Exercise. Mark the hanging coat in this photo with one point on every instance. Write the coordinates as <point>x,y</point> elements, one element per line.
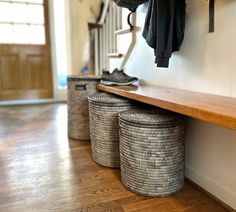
<point>164,28</point>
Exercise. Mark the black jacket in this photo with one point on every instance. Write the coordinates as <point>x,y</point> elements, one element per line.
<point>164,28</point>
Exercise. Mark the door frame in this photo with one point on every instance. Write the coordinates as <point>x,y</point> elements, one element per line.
<point>59,94</point>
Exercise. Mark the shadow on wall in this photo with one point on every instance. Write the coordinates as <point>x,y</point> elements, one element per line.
<point>210,158</point>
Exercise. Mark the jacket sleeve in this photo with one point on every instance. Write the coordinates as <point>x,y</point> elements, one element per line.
<point>165,24</point>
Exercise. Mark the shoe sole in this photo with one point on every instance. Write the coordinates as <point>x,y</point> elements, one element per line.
<point>117,83</point>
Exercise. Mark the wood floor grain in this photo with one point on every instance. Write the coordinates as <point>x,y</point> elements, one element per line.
<point>42,170</point>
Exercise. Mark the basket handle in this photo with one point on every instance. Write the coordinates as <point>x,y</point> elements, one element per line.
<point>81,87</point>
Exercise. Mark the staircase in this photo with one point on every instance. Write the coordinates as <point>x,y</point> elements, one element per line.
<point>113,39</point>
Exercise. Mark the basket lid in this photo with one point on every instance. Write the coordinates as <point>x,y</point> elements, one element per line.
<point>151,117</point>
<point>83,77</point>
<point>106,98</point>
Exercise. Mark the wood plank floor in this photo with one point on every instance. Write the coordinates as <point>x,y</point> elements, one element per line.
<point>41,170</point>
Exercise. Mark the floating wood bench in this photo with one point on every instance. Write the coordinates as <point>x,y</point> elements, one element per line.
<point>211,108</point>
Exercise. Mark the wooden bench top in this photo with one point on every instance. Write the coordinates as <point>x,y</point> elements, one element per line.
<point>211,108</point>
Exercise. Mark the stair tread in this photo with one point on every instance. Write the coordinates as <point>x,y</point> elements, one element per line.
<point>123,31</point>
<point>115,55</point>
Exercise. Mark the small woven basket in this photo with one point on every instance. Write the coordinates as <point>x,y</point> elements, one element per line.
<point>79,88</point>
<point>152,152</point>
<point>104,128</point>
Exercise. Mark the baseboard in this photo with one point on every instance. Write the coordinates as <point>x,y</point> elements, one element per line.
<point>202,183</point>
<point>30,102</point>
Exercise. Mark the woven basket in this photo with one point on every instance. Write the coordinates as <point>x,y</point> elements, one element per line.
<point>104,128</point>
<point>79,88</point>
<point>152,152</point>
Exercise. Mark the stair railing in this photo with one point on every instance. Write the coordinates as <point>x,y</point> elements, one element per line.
<point>105,37</point>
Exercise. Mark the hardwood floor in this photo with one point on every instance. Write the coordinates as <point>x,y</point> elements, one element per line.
<point>41,170</point>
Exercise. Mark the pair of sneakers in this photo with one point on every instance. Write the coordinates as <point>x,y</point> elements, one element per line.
<point>117,77</point>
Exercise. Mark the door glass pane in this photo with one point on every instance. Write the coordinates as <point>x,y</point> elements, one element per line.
<point>18,1</point>
<point>37,35</point>
<point>6,33</point>
<point>5,12</point>
<point>20,34</point>
<point>19,13</point>
<point>22,22</point>
<point>35,1</point>
<point>29,1</point>
<point>36,14</point>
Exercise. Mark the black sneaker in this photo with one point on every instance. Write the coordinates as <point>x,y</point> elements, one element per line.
<point>117,78</point>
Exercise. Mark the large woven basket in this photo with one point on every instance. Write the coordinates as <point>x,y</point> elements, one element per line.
<point>104,128</point>
<point>152,152</point>
<point>79,88</point>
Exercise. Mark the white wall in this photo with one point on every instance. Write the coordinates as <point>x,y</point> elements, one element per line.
<point>60,54</point>
<point>206,63</point>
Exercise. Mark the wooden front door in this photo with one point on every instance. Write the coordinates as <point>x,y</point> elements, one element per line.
<point>25,65</point>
